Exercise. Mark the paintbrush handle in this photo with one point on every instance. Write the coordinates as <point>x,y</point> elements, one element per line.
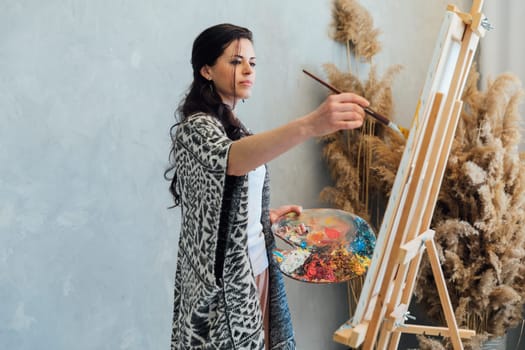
<point>377,116</point>
<point>322,82</point>
<point>369,111</point>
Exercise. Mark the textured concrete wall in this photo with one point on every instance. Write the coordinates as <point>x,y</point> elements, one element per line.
<point>87,94</point>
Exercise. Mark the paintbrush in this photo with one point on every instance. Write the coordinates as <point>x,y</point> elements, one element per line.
<point>382,119</point>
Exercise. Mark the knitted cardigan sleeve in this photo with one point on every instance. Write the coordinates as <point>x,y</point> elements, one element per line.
<point>202,159</point>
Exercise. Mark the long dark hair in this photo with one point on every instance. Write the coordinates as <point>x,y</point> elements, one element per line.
<point>202,96</point>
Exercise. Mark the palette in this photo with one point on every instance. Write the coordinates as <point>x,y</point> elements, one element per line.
<point>327,245</point>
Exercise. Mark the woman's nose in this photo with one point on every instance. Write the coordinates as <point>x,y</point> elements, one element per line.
<point>247,68</point>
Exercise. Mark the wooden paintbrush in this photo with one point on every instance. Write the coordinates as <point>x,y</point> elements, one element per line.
<point>382,119</point>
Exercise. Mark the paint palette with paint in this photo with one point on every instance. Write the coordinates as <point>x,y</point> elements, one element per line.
<point>328,245</point>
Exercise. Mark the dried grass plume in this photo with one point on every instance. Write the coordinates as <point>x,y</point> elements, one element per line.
<point>351,23</point>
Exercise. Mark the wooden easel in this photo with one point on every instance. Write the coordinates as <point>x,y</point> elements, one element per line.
<point>404,235</point>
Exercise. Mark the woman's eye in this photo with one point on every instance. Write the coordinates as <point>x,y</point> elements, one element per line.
<point>236,62</point>
<point>252,64</point>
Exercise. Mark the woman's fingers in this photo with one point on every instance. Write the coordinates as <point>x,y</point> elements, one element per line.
<point>348,125</point>
<point>346,106</point>
<point>352,98</point>
<point>338,112</point>
<point>285,209</point>
<point>346,120</point>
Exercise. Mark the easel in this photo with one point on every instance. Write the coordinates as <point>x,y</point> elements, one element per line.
<point>404,235</point>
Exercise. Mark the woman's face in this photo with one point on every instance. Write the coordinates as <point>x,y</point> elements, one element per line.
<point>233,73</point>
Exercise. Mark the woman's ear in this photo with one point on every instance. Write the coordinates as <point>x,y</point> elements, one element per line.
<point>205,72</point>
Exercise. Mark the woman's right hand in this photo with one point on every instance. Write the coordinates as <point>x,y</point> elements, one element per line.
<point>338,112</point>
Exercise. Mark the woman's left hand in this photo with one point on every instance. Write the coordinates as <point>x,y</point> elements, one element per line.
<point>285,209</point>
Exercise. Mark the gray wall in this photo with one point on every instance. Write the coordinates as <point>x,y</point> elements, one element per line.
<point>87,92</point>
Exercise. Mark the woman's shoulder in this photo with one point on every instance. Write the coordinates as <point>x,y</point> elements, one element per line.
<point>202,124</point>
<point>201,117</point>
<point>196,118</point>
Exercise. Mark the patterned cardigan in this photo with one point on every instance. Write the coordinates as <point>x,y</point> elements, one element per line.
<point>216,300</point>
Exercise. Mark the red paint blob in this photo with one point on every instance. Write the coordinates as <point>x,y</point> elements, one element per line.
<point>331,233</point>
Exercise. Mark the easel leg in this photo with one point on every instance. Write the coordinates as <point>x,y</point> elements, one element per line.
<point>443,294</point>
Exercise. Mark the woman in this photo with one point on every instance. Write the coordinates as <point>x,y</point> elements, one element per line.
<point>229,293</point>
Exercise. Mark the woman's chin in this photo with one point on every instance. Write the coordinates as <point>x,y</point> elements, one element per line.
<point>242,97</point>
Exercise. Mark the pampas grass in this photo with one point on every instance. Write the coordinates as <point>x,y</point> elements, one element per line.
<point>353,26</point>
<point>479,217</point>
<point>349,153</point>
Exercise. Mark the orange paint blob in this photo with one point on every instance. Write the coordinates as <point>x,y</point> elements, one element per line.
<point>315,237</point>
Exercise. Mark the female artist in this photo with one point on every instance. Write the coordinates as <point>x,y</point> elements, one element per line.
<point>229,293</point>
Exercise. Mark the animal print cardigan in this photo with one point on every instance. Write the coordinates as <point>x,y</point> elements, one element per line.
<point>216,299</point>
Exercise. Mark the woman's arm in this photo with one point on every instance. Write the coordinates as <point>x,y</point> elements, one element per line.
<point>337,112</point>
